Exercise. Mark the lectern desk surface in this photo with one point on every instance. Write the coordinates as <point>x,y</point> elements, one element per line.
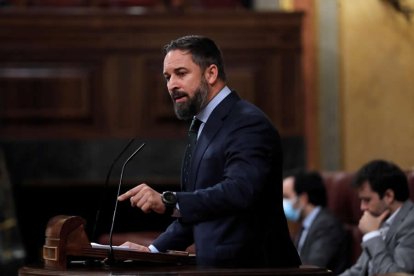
<point>172,270</point>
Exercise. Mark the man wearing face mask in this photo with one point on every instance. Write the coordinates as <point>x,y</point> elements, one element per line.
<point>387,222</point>
<point>322,239</point>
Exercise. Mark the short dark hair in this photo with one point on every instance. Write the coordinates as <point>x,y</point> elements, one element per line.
<point>381,176</point>
<point>204,51</point>
<point>312,184</point>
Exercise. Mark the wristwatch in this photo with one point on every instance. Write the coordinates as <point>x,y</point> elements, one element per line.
<point>170,200</point>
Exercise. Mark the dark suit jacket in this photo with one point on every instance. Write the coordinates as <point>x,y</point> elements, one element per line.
<point>326,244</point>
<point>232,209</point>
<point>395,253</point>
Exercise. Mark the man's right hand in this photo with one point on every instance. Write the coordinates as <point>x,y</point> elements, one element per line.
<point>136,246</point>
<point>145,198</point>
<point>369,222</point>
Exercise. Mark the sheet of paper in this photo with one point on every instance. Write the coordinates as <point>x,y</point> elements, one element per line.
<point>106,246</point>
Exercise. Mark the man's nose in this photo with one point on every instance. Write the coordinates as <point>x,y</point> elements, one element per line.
<point>363,207</point>
<point>172,84</point>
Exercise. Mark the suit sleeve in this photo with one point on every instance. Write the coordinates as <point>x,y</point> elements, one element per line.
<point>398,260</point>
<point>357,269</point>
<point>176,237</point>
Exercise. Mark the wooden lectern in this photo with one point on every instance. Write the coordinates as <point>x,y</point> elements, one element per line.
<point>66,238</point>
<point>67,241</point>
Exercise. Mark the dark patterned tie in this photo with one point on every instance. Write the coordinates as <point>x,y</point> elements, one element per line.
<point>192,139</point>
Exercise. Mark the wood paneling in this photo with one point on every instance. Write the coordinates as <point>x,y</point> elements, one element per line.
<point>50,93</point>
<point>98,73</point>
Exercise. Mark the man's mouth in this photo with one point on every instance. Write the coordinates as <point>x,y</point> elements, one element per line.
<point>179,97</point>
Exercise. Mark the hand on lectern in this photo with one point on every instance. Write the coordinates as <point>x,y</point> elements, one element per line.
<point>136,246</point>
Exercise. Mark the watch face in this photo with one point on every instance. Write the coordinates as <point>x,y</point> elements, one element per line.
<point>169,198</point>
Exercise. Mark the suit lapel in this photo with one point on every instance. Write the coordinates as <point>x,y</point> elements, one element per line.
<point>311,229</point>
<point>211,128</point>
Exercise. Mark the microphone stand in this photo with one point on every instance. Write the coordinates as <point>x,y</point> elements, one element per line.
<point>104,194</point>
<point>111,258</point>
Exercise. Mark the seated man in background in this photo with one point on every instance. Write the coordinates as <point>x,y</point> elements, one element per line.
<point>322,240</point>
<point>387,222</point>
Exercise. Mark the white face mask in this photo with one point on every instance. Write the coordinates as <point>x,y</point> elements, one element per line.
<point>290,212</point>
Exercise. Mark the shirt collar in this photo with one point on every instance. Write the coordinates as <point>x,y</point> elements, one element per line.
<point>206,112</point>
<point>391,218</point>
<point>307,222</point>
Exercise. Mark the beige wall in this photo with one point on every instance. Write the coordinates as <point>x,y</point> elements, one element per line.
<point>377,83</point>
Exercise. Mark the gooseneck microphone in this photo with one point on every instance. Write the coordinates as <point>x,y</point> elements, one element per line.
<point>111,252</point>
<point>105,191</point>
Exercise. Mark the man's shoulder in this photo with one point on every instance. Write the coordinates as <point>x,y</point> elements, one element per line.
<point>235,111</point>
<point>244,108</point>
<point>234,104</point>
<point>327,219</point>
<point>409,210</point>
<point>405,217</point>
<point>327,214</point>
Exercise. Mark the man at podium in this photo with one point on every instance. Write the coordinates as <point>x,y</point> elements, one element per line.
<point>230,203</point>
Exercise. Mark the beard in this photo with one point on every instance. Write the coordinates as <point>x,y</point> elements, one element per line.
<point>187,110</point>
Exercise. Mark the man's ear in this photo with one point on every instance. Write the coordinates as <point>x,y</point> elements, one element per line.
<point>211,74</point>
<point>389,196</point>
